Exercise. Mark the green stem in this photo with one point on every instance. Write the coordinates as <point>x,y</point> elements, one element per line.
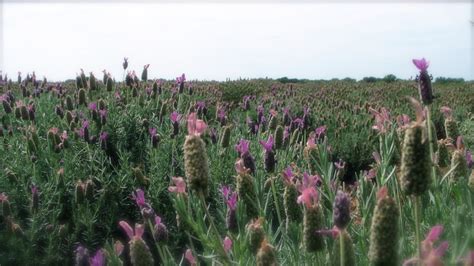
<point>430,139</point>
<point>277,206</point>
<point>416,201</point>
<point>341,247</point>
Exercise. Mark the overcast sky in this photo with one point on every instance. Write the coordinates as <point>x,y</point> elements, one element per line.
<point>219,41</point>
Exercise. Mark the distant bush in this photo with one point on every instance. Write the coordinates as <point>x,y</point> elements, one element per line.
<point>370,79</point>
<point>285,80</point>
<point>444,80</point>
<point>390,78</point>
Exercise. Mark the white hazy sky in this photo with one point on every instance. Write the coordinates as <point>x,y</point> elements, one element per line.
<point>219,41</point>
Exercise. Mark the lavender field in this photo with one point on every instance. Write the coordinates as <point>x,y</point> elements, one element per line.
<point>138,170</point>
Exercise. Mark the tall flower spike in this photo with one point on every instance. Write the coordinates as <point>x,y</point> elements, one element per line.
<point>424,81</point>
<point>384,237</point>
<point>195,156</point>
<point>256,235</point>
<point>290,198</point>
<point>416,161</point>
<point>269,159</point>
<point>341,210</point>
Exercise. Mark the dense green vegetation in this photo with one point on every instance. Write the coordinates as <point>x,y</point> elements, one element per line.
<point>85,177</point>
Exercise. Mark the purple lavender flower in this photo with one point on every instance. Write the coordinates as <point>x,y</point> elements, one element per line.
<point>139,197</point>
<point>98,259</point>
<point>230,199</point>
<point>153,136</point>
<point>340,164</point>
<point>288,176</point>
<point>82,256</point>
<point>213,135</point>
<point>175,117</point>
<point>267,145</point>
<point>297,123</point>
<point>92,106</point>
<point>104,136</point>
<point>84,130</point>
<point>341,210</point>
<point>320,131</point>
<point>286,116</point>
<point>160,230</point>
<point>306,117</point>
<point>269,154</point>
<point>246,103</point>
<point>242,147</point>
<point>180,82</point>
<point>424,81</point>
<point>221,115</point>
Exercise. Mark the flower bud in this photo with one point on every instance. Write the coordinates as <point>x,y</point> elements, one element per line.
<point>140,253</point>
<point>416,162</point>
<point>341,210</point>
<point>278,137</point>
<point>82,98</point>
<point>459,164</point>
<point>451,127</point>
<point>313,220</point>
<point>256,235</point>
<point>196,164</point>
<point>292,210</point>
<point>266,255</point>
<point>225,137</point>
<point>384,236</point>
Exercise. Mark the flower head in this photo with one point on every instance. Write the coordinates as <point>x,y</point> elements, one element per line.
<point>189,257</point>
<point>430,255</point>
<point>243,146</point>
<point>34,190</point>
<point>103,136</point>
<point>308,197</point>
<point>181,79</point>
<point>175,117</point>
<point>92,106</point>
<point>139,197</point>
<point>421,64</point>
<point>403,121</point>
<point>288,176</point>
<point>320,131</point>
<point>3,197</point>
<point>340,164</point>
<point>195,126</point>
<point>98,259</point>
<point>268,145</point>
<point>240,167</point>
<point>152,131</point>
<point>227,244</point>
<point>179,186</point>
<point>137,234</point>
<point>382,119</point>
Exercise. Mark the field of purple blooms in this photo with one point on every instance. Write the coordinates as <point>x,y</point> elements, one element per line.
<point>141,171</point>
